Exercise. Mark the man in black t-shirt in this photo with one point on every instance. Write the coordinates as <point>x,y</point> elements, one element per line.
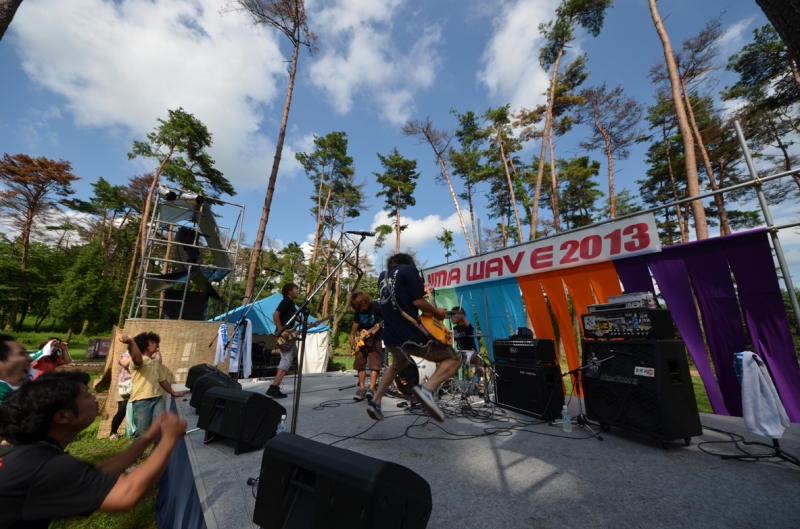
<point>402,297</point>
<point>283,313</point>
<point>464,338</point>
<point>39,481</point>
<point>366,316</point>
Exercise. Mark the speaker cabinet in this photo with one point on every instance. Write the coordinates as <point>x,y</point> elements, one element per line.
<point>215,379</point>
<point>250,419</point>
<point>196,372</point>
<point>194,306</point>
<point>644,387</point>
<point>533,390</point>
<point>528,352</point>
<point>306,484</point>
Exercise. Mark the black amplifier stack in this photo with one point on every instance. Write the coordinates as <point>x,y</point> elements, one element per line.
<point>638,378</point>
<point>528,377</point>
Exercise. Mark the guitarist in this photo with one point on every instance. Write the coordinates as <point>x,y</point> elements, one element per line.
<point>402,296</point>
<point>367,315</point>
<point>281,317</point>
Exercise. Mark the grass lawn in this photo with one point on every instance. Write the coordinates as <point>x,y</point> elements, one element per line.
<point>77,344</point>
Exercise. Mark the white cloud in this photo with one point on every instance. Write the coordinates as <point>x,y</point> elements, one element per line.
<point>122,64</point>
<point>511,59</point>
<point>360,58</point>
<point>733,39</point>
<point>419,233</point>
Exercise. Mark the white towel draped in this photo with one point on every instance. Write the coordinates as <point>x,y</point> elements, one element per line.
<point>762,408</point>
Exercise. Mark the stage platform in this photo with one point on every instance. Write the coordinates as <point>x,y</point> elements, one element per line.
<point>523,475</point>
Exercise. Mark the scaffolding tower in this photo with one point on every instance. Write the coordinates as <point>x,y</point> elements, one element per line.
<point>187,257</point>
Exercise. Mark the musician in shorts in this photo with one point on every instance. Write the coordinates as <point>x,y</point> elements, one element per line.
<point>464,340</point>
<point>366,315</point>
<point>283,313</point>
<point>402,293</point>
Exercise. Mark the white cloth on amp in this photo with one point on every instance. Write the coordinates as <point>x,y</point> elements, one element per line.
<point>241,348</point>
<point>222,345</point>
<point>762,408</point>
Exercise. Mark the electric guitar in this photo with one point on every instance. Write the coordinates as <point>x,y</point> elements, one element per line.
<point>286,344</point>
<point>435,329</point>
<point>361,340</point>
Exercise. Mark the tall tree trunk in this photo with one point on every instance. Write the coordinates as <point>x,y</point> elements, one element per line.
<point>319,223</point>
<point>612,199</point>
<point>547,124</point>
<point>7,10</point>
<point>455,200</point>
<point>130,277</point>
<point>554,183</point>
<point>273,177</point>
<point>692,179</point>
<point>510,184</point>
<point>472,219</point>
<point>681,225</point>
<point>785,18</point>
<point>719,200</point>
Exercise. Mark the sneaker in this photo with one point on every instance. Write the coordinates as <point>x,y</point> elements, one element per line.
<point>360,394</point>
<point>428,402</point>
<point>275,393</point>
<point>374,410</point>
<point>370,394</point>
<point>113,436</point>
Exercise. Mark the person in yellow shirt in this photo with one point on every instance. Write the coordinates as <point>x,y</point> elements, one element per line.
<point>148,380</point>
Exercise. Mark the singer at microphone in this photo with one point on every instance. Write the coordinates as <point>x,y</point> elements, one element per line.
<point>362,233</point>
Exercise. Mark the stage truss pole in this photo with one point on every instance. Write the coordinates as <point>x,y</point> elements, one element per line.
<point>773,231</point>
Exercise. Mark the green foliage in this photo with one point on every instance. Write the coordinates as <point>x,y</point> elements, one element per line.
<point>446,240</point>
<point>577,201</point>
<point>179,146</point>
<point>84,294</point>
<point>588,14</point>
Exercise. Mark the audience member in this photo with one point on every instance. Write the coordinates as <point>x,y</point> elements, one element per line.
<point>14,365</point>
<point>148,379</point>
<point>39,481</point>
<point>124,388</point>
<point>51,354</point>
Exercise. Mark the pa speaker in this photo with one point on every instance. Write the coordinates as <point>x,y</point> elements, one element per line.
<point>642,386</point>
<point>196,372</point>
<point>216,379</point>
<point>533,390</point>
<point>194,305</point>
<point>250,419</point>
<point>309,485</point>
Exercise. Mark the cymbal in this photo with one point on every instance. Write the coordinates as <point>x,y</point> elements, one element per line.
<point>450,314</point>
<point>473,336</point>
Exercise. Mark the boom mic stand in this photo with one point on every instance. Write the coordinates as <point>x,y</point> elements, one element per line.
<point>304,308</point>
<point>581,418</point>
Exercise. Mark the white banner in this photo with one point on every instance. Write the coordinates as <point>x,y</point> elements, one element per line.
<point>615,240</point>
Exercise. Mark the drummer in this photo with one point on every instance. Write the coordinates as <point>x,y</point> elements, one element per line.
<point>464,340</point>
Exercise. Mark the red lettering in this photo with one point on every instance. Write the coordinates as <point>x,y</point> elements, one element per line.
<point>438,279</point>
<point>591,246</point>
<point>542,257</point>
<point>571,247</point>
<point>454,277</point>
<point>615,238</point>
<point>494,265</point>
<point>473,272</point>
<point>513,266</point>
<point>641,239</point>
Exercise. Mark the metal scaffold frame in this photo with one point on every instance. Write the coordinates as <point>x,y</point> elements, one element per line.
<point>169,260</point>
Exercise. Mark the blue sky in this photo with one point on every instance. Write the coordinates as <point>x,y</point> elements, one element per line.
<point>83,79</point>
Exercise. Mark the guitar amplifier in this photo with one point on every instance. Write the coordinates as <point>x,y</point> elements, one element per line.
<point>640,324</point>
<point>539,351</point>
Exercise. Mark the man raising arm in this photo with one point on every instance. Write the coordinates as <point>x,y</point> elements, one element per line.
<point>39,481</point>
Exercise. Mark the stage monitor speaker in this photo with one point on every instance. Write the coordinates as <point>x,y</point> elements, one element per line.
<point>217,379</point>
<point>196,372</point>
<point>194,305</point>
<point>533,390</point>
<point>187,251</point>
<point>646,388</point>
<point>305,484</point>
<point>250,419</point>
<point>525,352</point>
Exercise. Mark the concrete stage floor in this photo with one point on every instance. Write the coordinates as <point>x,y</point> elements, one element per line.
<point>522,476</point>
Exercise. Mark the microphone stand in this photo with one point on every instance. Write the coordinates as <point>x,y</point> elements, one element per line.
<point>301,355</point>
<point>581,418</point>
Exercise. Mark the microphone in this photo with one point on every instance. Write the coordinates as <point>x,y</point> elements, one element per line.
<point>362,233</point>
<point>279,272</point>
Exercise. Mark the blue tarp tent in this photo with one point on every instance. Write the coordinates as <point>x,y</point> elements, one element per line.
<point>261,316</point>
<point>317,346</point>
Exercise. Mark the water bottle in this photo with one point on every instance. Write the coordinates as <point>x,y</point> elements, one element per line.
<point>282,425</point>
<point>566,419</point>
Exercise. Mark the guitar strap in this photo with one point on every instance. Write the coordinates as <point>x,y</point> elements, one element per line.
<point>413,321</point>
